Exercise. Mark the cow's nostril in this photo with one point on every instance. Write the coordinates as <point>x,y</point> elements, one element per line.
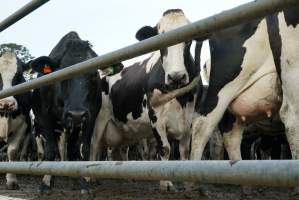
<point>183,78</point>
<point>177,78</point>
<point>77,117</point>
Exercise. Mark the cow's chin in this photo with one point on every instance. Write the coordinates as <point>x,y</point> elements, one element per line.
<point>174,86</point>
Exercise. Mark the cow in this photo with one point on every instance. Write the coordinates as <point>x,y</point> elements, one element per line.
<point>14,111</point>
<point>243,86</point>
<point>254,67</point>
<point>65,111</point>
<point>129,112</point>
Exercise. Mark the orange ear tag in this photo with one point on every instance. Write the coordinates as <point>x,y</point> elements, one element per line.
<point>47,69</point>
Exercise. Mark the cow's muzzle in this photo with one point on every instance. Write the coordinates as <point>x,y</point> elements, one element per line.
<point>9,104</point>
<point>176,80</point>
<point>76,118</point>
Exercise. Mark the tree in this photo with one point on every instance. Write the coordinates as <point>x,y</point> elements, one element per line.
<point>21,51</point>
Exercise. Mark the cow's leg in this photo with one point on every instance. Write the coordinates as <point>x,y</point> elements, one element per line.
<point>143,149</point>
<point>232,141</point>
<point>24,151</point>
<point>120,153</point>
<point>289,117</point>
<point>51,151</point>
<point>40,147</point>
<point>12,151</point>
<point>202,129</point>
<point>100,127</point>
<point>184,147</point>
<point>62,146</point>
<point>164,150</point>
<point>216,146</point>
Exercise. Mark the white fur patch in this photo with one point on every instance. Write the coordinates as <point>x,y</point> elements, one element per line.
<point>4,128</point>
<point>290,85</point>
<point>8,68</point>
<point>152,61</point>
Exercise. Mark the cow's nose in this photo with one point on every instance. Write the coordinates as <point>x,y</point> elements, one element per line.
<point>177,78</point>
<point>77,117</point>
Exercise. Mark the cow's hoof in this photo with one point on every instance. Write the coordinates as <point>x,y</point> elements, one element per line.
<point>86,192</point>
<point>85,187</point>
<point>12,186</point>
<point>295,191</point>
<point>167,186</point>
<point>44,189</point>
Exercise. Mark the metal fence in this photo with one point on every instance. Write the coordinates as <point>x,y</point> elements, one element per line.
<point>283,173</point>
<point>272,173</point>
<point>199,29</point>
<point>22,12</point>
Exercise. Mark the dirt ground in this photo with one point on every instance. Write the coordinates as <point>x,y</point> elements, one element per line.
<point>145,190</point>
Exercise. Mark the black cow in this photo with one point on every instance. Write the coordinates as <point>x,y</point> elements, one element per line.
<point>244,86</point>
<point>65,112</point>
<point>14,111</point>
<point>129,113</point>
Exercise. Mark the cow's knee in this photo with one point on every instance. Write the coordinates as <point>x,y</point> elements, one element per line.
<point>165,152</point>
<point>12,152</point>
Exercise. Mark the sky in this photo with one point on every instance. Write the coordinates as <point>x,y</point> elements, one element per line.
<point>108,25</point>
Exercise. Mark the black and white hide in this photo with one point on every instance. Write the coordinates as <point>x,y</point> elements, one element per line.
<point>128,115</point>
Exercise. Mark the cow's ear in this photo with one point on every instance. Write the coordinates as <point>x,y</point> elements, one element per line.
<point>146,32</point>
<point>43,65</point>
<point>114,69</point>
<point>117,68</point>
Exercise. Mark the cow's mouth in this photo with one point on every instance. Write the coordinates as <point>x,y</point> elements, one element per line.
<point>9,113</point>
<point>174,86</point>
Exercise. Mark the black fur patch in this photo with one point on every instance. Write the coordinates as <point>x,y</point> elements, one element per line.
<point>227,122</point>
<point>292,16</point>
<point>275,40</point>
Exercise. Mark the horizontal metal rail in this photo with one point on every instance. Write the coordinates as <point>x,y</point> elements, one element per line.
<point>201,28</point>
<point>282,173</point>
<point>22,12</point>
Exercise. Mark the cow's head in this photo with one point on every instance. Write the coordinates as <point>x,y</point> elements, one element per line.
<point>175,58</point>
<point>79,93</point>
<point>10,69</point>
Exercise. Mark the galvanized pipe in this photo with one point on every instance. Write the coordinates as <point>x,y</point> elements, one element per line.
<point>201,28</point>
<point>282,173</point>
<point>22,12</point>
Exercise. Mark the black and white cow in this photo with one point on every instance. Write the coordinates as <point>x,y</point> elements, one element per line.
<point>128,115</point>
<point>244,81</point>
<point>65,112</point>
<point>14,111</point>
<point>243,86</point>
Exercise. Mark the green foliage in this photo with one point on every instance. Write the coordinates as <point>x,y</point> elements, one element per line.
<point>21,51</point>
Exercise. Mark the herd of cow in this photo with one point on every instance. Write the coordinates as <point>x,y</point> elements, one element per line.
<point>253,78</point>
